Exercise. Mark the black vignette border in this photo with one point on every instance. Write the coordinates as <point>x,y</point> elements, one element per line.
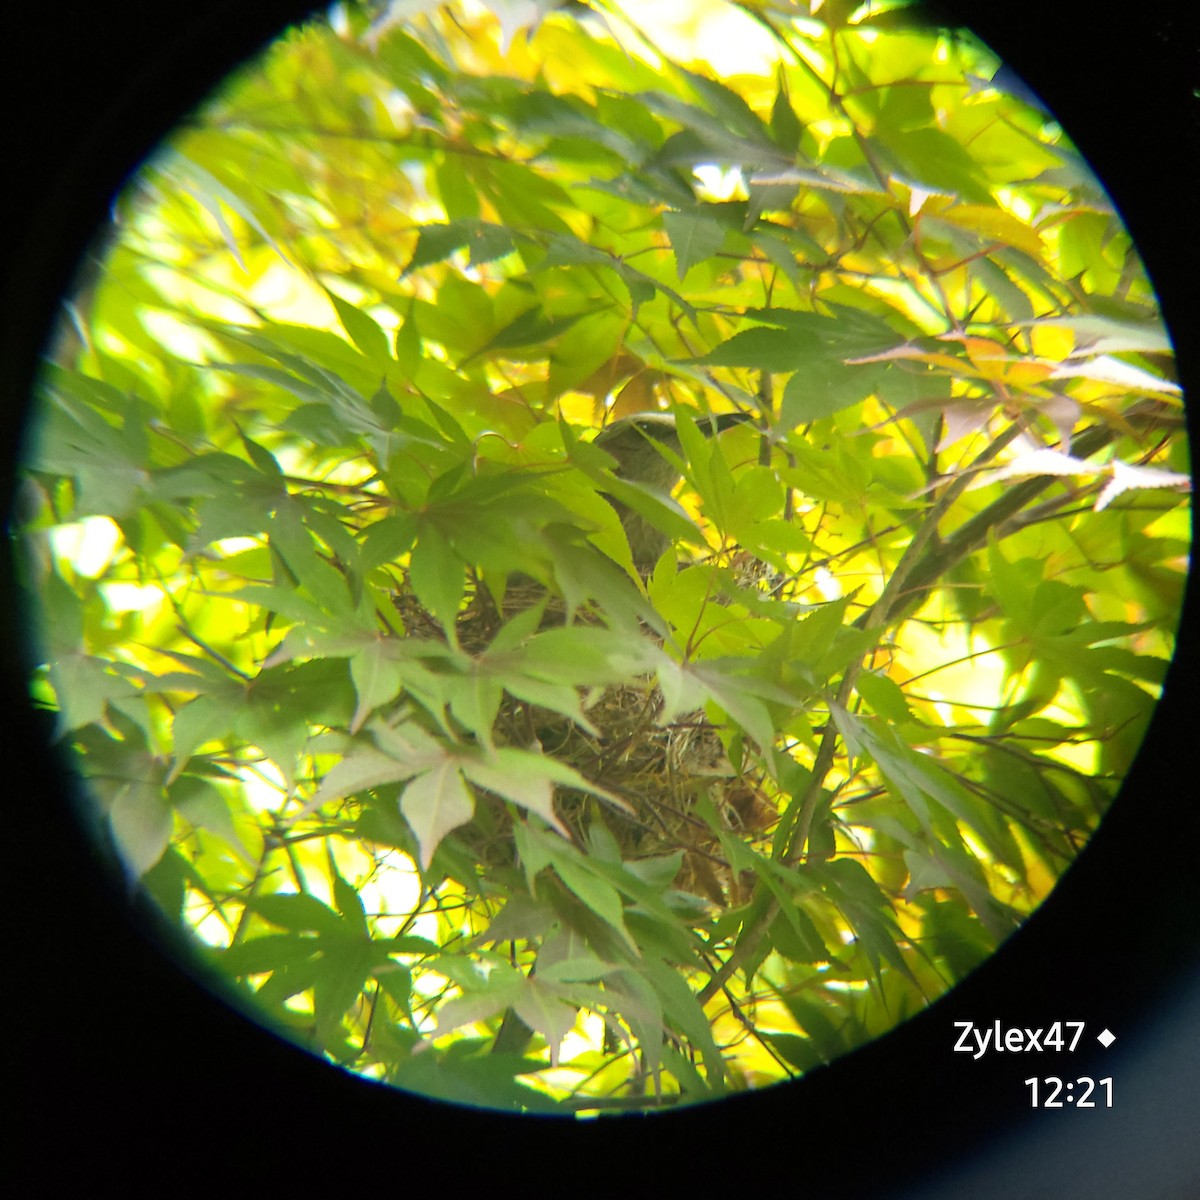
<point>156,1076</point>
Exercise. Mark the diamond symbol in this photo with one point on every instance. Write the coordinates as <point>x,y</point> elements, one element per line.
<point>1106,1038</point>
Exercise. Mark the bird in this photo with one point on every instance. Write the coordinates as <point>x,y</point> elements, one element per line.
<point>637,442</point>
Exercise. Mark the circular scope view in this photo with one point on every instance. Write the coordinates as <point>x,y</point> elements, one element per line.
<point>596,556</point>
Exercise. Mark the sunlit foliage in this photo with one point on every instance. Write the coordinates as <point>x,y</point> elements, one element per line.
<point>343,627</point>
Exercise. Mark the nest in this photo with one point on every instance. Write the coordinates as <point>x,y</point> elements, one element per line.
<point>659,770</point>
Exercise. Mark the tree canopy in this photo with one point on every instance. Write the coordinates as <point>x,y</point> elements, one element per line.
<point>342,623</point>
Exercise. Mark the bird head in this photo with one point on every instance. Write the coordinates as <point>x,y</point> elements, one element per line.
<point>637,443</point>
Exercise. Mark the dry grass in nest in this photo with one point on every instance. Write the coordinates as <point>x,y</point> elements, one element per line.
<point>659,770</point>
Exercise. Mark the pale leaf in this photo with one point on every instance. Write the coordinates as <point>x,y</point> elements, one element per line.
<point>434,804</point>
<point>1105,369</point>
<point>1125,478</point>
